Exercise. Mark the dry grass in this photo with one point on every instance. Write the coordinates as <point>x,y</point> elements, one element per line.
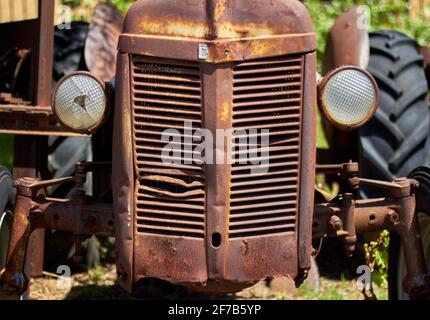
<point>99,283</point>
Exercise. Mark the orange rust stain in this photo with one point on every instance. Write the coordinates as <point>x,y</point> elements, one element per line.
<point>219,9</point>
<point>249,30</point>
<point>224,115</point>
<point>261,48</point>
<point>173,28</point>
<point>190,29</point>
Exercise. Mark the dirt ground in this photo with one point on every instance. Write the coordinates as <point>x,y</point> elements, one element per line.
<point>99,283</point>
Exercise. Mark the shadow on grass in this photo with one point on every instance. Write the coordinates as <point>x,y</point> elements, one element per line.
<point>149,289</point>
<point>94,292</point>
<point>334,264</point>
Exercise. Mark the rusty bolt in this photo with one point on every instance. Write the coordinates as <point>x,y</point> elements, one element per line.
<point>414,183</point>
<point>350,168</point>
<point>394,218</point>
<point>336,223</point>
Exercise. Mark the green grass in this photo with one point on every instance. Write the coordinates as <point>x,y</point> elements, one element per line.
<point>339,290</point>
<point>6,150</point>
<point>95,275</point>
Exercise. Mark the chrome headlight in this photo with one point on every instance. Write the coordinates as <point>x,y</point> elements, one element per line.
<point>79,102</point>
<point>348,97</point>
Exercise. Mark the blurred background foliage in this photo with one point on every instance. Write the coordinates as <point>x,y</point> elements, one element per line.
<point>6,150</point>
<point>82,9</point>
<point>383,14</point>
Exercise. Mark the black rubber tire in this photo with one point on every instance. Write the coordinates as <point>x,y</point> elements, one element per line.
<point>396,140</point>
<point>7,192</point>
<point>64,152</point>
<point>422,175</point>
<point>7,199</point>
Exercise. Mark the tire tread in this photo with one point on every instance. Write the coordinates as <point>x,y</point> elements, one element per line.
<point>391,143</point>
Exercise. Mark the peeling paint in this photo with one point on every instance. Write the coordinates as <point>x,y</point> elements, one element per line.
<point>173,27</point>
<point>219,9</point>
<point>229,30</point>
<point>225,111</point>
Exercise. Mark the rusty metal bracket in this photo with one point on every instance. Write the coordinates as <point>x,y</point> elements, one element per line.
<point>33,210</point>
<point>82,168</point>
<point>348,171</point>
<point>346,217</point>
<point>29,187</point>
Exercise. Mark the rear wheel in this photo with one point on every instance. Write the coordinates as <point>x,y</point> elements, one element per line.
<point>7,198</point>
<point>396,140</point>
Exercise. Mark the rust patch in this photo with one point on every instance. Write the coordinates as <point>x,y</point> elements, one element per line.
<point>219,9</point>
<point>249,30</point>
<point>263,48</point>
<point>225,111</point>
<point>173,28</point>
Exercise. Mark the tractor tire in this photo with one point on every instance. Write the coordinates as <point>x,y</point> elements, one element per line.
<point>64,152</point>
<point>396,140</point>
<point>7,199</point>
<point>396,263</point>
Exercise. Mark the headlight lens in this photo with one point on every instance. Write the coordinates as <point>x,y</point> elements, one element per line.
<point>348,97</point>
<point>79,102</point>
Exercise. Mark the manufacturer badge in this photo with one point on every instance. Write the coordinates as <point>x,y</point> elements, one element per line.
<point>203,51</point>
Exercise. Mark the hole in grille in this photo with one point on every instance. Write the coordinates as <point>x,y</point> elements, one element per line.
<point>170,199</point>
<point>267,95</point>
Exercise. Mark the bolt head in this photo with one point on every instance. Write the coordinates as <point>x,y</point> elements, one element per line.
<point>336,223</point>
<point>394,218</point>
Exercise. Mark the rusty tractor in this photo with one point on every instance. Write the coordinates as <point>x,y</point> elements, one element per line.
<point>231,92</point>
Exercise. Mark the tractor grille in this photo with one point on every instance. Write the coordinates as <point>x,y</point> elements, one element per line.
<point>267,95</point>
<point>170,197</point>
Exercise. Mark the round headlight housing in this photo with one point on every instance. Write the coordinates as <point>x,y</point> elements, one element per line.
<point>79,102</point>
<point>348,97</point>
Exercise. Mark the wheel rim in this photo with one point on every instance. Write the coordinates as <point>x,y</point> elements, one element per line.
<point>424,222</point>
<point>6,220</point>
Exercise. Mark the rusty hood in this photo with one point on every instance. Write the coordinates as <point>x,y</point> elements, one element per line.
<point>217,19</point>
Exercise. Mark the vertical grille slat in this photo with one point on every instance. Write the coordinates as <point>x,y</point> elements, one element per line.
<point>267,95</point>
<point>170,197</point>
